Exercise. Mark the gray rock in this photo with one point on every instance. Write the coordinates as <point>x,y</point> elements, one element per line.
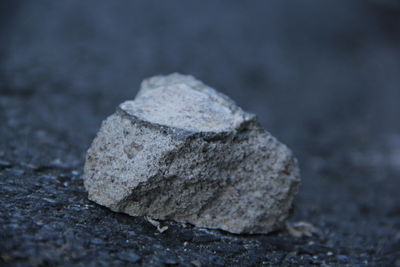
<point>183,151</point>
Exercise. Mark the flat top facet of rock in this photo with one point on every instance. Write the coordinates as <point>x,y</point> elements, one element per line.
<point>183,102</point>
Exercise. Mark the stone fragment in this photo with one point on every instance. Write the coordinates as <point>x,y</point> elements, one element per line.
<point>302,229</point>
<point>183,151</point>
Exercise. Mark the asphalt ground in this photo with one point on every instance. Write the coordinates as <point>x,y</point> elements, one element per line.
<point>323,77</point>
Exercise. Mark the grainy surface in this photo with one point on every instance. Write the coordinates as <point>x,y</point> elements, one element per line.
<point>323,78</point>
<point>185,152</point>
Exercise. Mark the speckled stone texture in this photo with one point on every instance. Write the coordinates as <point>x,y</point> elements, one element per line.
<point>183,151</point>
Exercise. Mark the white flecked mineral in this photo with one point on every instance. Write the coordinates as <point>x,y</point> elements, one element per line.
<point>183,151</point>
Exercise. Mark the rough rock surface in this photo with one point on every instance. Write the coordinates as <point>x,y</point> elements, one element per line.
<point>185,152</point>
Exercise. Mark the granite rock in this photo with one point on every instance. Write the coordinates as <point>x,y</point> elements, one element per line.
<point>183,151</point>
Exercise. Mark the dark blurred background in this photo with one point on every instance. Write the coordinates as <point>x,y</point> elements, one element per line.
<point>323,76</point>
<point>294,64</point>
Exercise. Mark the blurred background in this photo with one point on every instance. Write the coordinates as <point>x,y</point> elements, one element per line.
<point>322,76</point>
<point>294,64</point>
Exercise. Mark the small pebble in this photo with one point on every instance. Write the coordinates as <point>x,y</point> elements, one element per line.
<point>342,258</point>
<point>5,164</point>
<point>128,256</point>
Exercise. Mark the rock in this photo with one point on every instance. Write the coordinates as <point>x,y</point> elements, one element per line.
<point>183,151</point>
<point>302,229</point>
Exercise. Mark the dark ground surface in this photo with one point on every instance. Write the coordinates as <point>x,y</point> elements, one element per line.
<point>323,77</point>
